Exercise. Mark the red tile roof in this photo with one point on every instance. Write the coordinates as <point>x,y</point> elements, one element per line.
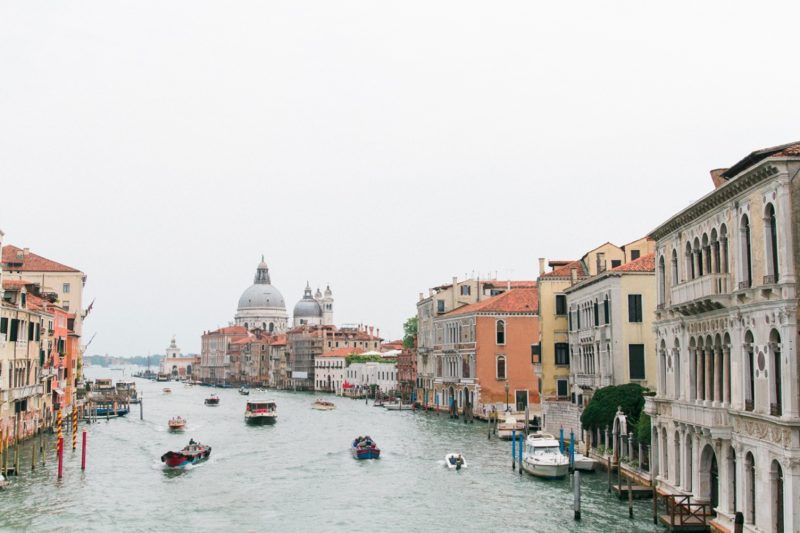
<point>513,301</point>
<point>784,150</point>
<point>646,263</point>
<point>343,352</point>
<point>15,283</point>
<point>515,284</point>
<point>231,330</point>
<point>16,259</point>
<point>565,271</point>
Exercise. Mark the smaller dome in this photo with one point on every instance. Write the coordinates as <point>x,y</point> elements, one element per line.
<point>308,307</point>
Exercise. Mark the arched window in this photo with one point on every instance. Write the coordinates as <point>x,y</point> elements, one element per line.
<point>690,272</point>
<point>661,280</point>
<point>715,252</point>
<point>705,256</point>
<point>776,480</point>
<point>776,392</point>
<point>750,372</point>
<point>674,281</point>
<point>263,326</point>
<point>770,227</point>
<point>750,488</point>
<point>747,265</point>
<point>501,332</point>
<point>676,367</point>
<point>698,258</point>
<point>245,325</point>
<point>692,369</point>
<point>731,480</point>
<point>723,241</point>
<point>501,367</point>
<point>271,327</point>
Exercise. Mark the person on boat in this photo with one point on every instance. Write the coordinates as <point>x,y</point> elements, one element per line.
<point>459,461</point>
<point>452,460</point>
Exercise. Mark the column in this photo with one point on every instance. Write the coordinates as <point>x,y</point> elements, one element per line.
<point>709,353</point>
<point>717,375</point>
<point>698,374</point>
<point>726,375</point>
<point>783,216</point>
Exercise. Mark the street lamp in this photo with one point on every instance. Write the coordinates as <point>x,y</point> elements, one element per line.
<point>507,409</point>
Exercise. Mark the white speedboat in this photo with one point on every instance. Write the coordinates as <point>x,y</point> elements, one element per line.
<point>506,428</point>
<point>323,405</point>
<point>398,406</point>
<point>261,412</point>
<point>455,461</point>
<point>542,457</point>
<point>584,463</point>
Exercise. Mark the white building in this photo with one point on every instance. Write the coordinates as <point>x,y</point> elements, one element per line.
<point>329,370</point>
<point>176,365</point>
<point>261,305</point>
<point>382,375</point>
<point>726,416</point>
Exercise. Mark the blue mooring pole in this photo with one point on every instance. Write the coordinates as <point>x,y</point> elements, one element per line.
<point>519,449</point>
<point>572,450</point>
<point>513,449</point>
<point>561,440</point>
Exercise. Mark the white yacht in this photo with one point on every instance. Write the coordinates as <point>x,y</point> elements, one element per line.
<point>543,458</point>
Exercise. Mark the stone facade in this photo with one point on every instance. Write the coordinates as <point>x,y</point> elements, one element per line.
<point>726,416</point>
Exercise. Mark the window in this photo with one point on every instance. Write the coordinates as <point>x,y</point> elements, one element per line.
<point>65,288</point>
<point>561,388</point>
<point>465,290</point>
<point>607,310</point>
<point>501,332</point>
<point>14,330</point>
<point>596,314</point>
<point>570,321</point>
<point>636,361</point>
<point>772,245</point>
<point>65,305</point>
<point>440,306</point>
<point>635,255</point>
<point>747,271</point>
<point>634,308</point>
<point>536,353</point>
<point>562,353</point>
<point>561,304</point>
<point>501,367</point>
<point>3,325</point>
<point>615,263</point>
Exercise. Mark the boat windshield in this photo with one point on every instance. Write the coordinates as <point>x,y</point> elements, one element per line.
<point>542,450</point>
<point>262,406</point>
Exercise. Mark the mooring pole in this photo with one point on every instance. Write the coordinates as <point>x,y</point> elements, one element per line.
<point>577,495</point>
<point>60,457</point>
<point>608,462</point>
<point>655,494</point>
<point>33,456</point>
<point>83,451</point>
<point>513,448</point>
<point>141,408</point>
<point>519,450</point>
<point>74,427</point>
<point>630,497</point>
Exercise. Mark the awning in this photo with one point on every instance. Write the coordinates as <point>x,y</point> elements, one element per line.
<point>59,392</point>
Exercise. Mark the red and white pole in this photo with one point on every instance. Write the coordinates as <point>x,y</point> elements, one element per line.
<point>83,451</point>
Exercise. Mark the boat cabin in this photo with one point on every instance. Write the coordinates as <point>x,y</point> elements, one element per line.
<point>261,405</point>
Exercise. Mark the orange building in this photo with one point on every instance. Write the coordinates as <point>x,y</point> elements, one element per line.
<point>483,354</point>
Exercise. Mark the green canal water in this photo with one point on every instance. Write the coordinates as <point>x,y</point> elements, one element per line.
<point>297,475</point>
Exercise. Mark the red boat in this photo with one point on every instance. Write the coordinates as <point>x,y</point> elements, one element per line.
<point>189,455</point>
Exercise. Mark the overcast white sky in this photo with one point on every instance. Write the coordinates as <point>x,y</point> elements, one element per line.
<point>381,147</point>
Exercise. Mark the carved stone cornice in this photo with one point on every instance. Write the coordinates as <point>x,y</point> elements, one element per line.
<point>714,199</point>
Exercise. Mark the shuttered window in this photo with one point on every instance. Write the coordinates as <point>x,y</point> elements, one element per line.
<point>3,325</point>
<point>12,334</point>
<point>634,308</point>
<point>596,314</point>
<point>636,361</point>
<point>562,353</point>
<point>607,311</point>
<point>562,388</point>
<point>561,304</point>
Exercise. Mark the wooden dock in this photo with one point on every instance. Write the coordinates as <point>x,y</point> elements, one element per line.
<point>639,492</point>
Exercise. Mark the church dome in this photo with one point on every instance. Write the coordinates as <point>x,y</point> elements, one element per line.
<point>261,294</point>
<point>308,307</point>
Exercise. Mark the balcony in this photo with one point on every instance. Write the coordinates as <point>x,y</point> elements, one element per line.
<point>585,380</point>
<point>699,295</point>
<point>714,418</point>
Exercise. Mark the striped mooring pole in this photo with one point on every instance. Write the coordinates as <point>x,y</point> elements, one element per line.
<point>59,422</point>
<point>74,427</point>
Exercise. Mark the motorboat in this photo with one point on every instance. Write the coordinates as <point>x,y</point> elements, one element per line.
<point>398,405</point>
<point>365,448</point>
<point>128,388</point>
<point>212,400</point>
<point>455,461</point>
<point>244,391</point>
<point>261,412</point>
<point>177,423</point>
<point>4,483</point>
<point>167,390</point>
<point>106,411</point>
<point>542,457</point>
<point>191,454</point>
<point>323,405</point>
<point>506,428</point>
<point>583,463</point>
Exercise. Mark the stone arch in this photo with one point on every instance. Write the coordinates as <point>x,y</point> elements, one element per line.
<point>775,373</point>
<point>662,368</point>
<point>749,371</point>
<point>619,428</point>
<point>723,245</point>
<point>708,476</point>
<point>771,243</point>
<point>750,488</point>
<point>693,349</point>
<point>676,366</point>
<point>674,266</point>
<point>778,496</point>
<point>677,460</point>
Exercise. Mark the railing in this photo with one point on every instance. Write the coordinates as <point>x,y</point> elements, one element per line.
<point>775,409</point>
<point>704,286</point>
<point>769,280</point>
<point>748,405</point>
<point>682,511</point>
<point>744,284</point>
<point>585,379</point>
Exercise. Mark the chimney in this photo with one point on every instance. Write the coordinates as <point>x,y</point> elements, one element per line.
<point>716,177</point>
<point>601,262</point>
<point>378,333</point>
<point>453,293</point>
<point>26,251</point>
<point>541,266</point>
<point>573,274</point>
<point>420,296</point>
<point>508,285</point>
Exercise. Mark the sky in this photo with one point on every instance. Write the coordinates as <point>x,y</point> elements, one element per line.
<point>381,147</point>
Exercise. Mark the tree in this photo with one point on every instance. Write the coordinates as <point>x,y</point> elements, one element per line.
<point>643,429</point>
<point>410,332</point>
<point>603,406</point>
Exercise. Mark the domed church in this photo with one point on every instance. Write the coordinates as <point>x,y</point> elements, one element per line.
<point>261,305</point>
<point>314,310</point>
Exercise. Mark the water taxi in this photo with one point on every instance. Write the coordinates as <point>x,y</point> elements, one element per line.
<point>191,454</point>
<point>212,400</point>
<point>506,428</point>
<point>323,405</point>
<point>244,391</point>
<point>365,448</point>
<point>261,412</point>
<point>542,457</point>
<point>177,423</point>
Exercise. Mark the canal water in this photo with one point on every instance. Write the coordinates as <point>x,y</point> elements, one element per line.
<point>297,475</point>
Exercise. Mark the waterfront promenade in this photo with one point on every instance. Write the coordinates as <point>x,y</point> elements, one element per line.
<point>298,475</point>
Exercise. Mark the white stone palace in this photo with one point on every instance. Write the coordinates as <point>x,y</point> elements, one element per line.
<point>726,419</point>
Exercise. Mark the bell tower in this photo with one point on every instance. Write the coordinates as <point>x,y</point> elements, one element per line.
<point>327,307</point>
